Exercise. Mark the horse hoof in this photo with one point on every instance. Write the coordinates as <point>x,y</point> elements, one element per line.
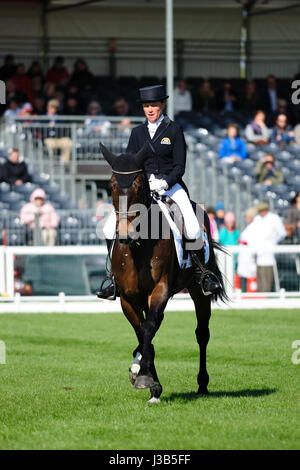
<point>203,392</point>
<point>153,400</point>
<point>143,381</point>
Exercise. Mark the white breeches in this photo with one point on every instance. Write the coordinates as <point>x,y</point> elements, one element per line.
<point>191,224</point>
<point>178,194</point>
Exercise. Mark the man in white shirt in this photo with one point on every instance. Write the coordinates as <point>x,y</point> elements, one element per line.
<point>182,98</point>
<point>263,234</point>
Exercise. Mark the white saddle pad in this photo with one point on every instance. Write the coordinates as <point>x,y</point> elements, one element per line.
<point>109,231</point>
<point>183,262</point>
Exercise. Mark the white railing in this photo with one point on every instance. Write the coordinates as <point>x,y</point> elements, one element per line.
<point>228,269</point>
<point>10,252</point>
<point>7,255</point>
<point>2,270</point>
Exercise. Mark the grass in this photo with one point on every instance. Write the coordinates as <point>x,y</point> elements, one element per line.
<point>65,384</point>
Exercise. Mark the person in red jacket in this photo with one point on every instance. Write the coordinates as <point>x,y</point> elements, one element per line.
<point>23,82</point>
<point>58,74</point>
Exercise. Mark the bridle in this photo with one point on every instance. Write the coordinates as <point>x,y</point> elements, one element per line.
<point>128,214</point>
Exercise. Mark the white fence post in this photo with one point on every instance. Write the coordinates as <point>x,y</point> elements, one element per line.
<point>10,271</point>
<point>2,270</point>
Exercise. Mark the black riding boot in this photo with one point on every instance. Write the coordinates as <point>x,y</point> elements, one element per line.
<point>110,291</point>
<point>206,278</point>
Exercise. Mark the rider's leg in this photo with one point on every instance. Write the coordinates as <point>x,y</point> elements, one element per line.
<point>110,290</point>
<point>194,240</point>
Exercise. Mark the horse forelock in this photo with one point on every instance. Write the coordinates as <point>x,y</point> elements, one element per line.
<point>138,191</point>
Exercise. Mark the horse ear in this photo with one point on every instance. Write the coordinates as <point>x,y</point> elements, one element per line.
<point>141,155</point>
<point>109,156</point>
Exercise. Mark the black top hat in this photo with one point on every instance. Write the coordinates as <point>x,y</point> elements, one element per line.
<point>152,93</point>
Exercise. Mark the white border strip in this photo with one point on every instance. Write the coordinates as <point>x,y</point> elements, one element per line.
<point>106,306</point>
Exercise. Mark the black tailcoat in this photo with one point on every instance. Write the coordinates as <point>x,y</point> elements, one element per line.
<point>167,150</point>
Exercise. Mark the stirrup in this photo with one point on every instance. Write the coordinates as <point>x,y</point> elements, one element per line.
<point>201,274</point>
<point>109,292</point>
<point>213,278</point>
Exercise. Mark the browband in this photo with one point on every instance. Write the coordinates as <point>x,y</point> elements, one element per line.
<point>127,172</point>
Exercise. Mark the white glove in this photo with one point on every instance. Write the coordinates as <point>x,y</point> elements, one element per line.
<point>157,185</point>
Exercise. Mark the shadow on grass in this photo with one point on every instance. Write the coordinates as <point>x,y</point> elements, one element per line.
<point>190,396</point>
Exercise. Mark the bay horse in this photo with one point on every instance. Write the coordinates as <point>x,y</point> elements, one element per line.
<point>147,274</point>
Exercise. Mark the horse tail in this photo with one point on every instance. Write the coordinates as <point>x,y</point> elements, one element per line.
<point>212,264</point>
<point>221,292</point>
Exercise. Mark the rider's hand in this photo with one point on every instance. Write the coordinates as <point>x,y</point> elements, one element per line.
<point>158,185</point>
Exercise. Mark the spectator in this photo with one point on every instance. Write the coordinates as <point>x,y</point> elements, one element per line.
<point>213,224</point>
<point>14,170</point>
<point>39,105</point>
<point>249,100</point>
<point>266,171</point>
<point>58,74</point>
<point>121,107</point>
<point>282,108</point>
<point>96,122</point>
<point>11,93</point>
<point>72,90</point>
<point>124,128</point>
<point>48,218</point>
<point>220,213</point>
<point>232,147</point>
<point>205,98</point>
<point>11,112</point>
<point>267,230</point>
<point>36,86</point>
<point>56,138</point>
<point>229,235</point>
<point>49,91</point>
<point>246,267</point>
<point>182,97</point>
<point>81,75</point>
<point>292,220</point>
<point>297,134</point>
<point>282,133</point>
<point>257,132</point>
<point>26,110</point>
<point>270,95</point>
<point>8,68</point>
<point>72,108</point>
<point>22,82</point>
<point>35,71</point>
<point>227,99</point>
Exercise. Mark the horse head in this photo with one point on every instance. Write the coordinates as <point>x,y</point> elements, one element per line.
<point>129,186</point>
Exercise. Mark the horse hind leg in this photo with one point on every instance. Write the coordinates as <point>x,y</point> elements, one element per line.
<point>203,312</point>
<point>156,389</point>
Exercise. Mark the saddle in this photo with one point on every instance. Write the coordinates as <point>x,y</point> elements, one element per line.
<point>176,216</point>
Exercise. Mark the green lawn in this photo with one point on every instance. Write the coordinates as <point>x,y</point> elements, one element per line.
<point>65,384</point>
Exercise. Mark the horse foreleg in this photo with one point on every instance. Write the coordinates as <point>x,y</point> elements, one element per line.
<point>135,316</point>
<point>203,312</point>
<point>147,377</point>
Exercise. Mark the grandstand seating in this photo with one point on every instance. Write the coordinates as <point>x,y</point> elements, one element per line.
<point>203,134</point>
